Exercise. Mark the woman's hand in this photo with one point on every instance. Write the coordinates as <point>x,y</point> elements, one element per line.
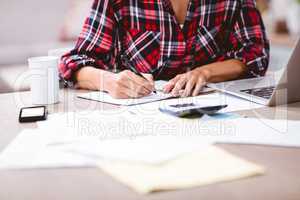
<point>191,83</point>
<point>188,84</point>
<point>127,84</point>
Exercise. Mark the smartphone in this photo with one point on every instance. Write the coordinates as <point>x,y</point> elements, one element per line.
<point>33,114</point>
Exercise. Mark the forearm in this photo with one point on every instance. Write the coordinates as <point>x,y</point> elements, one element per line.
<point>223,71</point>
<point>92,78</point>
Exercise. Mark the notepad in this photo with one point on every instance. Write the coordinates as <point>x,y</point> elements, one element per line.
<point>106,98</point>
<point>153,97</point>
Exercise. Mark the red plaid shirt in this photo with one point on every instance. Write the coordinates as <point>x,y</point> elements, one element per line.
<point>146,35</point>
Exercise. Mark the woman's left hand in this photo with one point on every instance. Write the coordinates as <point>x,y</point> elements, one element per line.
<point>188,84</point>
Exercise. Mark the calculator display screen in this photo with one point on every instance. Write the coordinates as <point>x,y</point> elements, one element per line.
<point>183,105</point>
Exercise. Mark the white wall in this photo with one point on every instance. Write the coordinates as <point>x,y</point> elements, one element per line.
<point>25,22</point>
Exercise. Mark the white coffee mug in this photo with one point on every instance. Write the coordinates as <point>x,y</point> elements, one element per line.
<point>59,52</point>
<point>44,80</point>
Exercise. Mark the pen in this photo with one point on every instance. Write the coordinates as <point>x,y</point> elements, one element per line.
<point>164,65</point>
<point>133,69</point>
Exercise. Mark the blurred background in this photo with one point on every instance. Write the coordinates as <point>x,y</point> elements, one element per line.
<point>35,27</point>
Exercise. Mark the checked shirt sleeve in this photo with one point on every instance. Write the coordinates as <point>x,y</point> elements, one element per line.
<point>95,44</point>
<point>252,45</point>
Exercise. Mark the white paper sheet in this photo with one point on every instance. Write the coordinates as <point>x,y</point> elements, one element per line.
<point>123,135</point>
<point>261,132</point>
<point>147,149</point>
<point>283,133</point>
<point>125,123</point>
<point>29,150</point>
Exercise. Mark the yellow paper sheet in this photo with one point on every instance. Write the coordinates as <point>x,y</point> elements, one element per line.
<point>209,166</point>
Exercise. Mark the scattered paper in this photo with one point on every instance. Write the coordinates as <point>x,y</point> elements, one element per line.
<point>29,150</point>
<point>222,128</point>
<point>148,149</point>
<point>137,163</point>
<point>40,149</point>
<point>259,132</point>
<point>127,123</point>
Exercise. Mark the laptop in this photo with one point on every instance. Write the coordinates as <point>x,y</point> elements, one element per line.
<point>269,90</point>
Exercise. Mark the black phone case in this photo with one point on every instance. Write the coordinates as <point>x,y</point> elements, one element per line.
<point>34,118</point>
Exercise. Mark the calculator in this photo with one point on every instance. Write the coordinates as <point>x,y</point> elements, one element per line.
<point>191,109</point>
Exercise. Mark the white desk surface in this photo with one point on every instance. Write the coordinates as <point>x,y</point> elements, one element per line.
<point>280,182</point>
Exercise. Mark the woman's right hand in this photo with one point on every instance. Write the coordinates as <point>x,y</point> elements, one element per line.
<point>127,84</point>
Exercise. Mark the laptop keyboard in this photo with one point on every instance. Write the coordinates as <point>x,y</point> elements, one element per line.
<point>264,92</point>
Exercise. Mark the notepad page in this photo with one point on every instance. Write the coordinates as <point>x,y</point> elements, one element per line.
<point>106,98</point>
